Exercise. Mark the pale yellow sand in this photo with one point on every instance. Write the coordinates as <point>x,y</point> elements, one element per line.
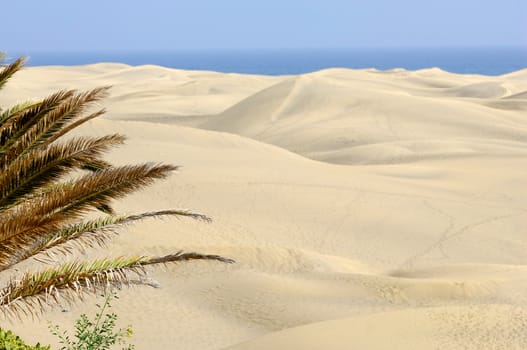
<point>365,209</point>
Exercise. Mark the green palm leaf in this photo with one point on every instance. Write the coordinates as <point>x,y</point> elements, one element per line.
<point>34,291</point>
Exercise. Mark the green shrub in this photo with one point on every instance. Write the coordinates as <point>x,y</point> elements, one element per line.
<point>10,341</point>
<point>98,334</point>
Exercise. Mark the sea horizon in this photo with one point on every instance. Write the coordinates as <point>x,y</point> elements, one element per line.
<point>482,60</point>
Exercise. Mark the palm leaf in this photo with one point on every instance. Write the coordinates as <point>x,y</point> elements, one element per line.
<point>51,210</point>
<point>18,123</point>
<point>8,71</point>
<point>42,166</point>
<point>44,127</point>
<point>97,230</point>
<point>89,233</point>
<point>55,121</point>
<point>18,108</point>
<point>35,290</point>
<point>67,128</point>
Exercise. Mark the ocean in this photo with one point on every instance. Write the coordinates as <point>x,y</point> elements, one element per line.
<point>486,61</point>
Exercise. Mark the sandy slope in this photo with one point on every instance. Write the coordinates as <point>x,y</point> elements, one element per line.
<point>365,209</point>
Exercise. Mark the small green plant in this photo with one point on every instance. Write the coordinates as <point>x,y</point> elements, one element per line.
<point>98,334</point>
<point>10,341</point>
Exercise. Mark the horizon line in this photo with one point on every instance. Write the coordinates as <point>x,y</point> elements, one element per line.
<point>390,47</point>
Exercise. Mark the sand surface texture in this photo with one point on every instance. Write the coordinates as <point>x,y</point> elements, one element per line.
<point>365,209</point>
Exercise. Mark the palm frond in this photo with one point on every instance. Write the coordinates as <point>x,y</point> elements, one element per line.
<point>46,126</point>
<point>42,166</point>
<point>86,234</point>
<point>182,256</point>
<point>100,188</point>
<point>8,71</point>
<point>68,111</point>
<point>8,113</point>
<point>51,210</point>
<point>91,229</point>
<point>67,128</point>
<point>18,123</point>
<point>35,290</point>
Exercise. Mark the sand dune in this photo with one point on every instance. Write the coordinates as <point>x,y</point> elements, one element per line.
<point>366,209</point>
<point>489,327</point>
<point>357,119</point>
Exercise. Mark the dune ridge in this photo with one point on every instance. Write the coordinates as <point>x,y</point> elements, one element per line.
<point>366,209</point>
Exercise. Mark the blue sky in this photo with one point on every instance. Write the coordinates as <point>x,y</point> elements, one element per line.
<point>69,25</point>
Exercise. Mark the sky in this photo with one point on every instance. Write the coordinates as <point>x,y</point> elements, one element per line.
<point>66,25</point>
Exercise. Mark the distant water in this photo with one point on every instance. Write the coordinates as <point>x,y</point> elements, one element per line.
<point>487,61</point>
